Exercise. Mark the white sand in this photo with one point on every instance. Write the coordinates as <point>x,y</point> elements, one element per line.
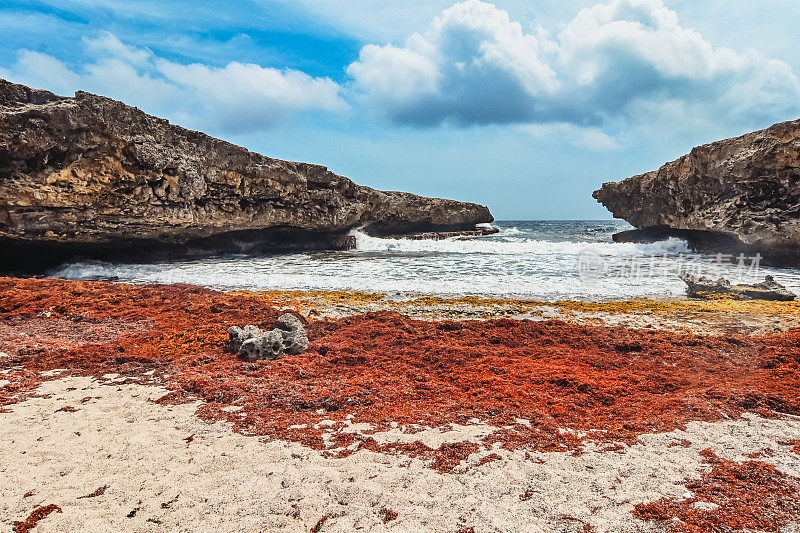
<point>222,481</point>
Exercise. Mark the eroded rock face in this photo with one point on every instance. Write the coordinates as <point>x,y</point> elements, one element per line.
<point>740,195</point>
<point>90,175</point>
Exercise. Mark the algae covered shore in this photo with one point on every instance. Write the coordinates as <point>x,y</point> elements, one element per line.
<point>226,333</point>
<point>404,414</point>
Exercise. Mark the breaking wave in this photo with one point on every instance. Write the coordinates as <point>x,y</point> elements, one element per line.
<point>538,260</point>
<point>502,245</point>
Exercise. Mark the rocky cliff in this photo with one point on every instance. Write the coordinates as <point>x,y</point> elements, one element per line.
<point>91,176</point>
<point>737,195</point>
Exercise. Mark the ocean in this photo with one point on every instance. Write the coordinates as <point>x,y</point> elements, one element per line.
<point>545,260</point>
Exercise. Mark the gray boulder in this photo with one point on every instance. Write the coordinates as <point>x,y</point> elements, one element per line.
<point>238,335</point>
<point>251,349</point>
<point>295,340</point>
<point>252,343</point>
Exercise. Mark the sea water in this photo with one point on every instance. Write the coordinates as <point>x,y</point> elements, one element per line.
<point>544,260</point>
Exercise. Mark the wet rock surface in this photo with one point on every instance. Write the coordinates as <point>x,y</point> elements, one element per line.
<point>442,235</point>
<point>252,343</point>
<point>735,195</point>
<point>90,176</point>
<point>703,287</point>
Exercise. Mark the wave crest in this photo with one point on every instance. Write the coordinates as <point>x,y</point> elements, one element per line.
<point>501,246</point>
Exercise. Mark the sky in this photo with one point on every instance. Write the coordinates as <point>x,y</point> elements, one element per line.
<point>526,106</point>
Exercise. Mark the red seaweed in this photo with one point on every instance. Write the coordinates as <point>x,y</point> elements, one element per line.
<point>569,382</point>
<point>38,514</point>
<point>732,496</point>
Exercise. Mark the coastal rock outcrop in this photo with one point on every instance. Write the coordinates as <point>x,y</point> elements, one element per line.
<point>252,343</point>
<point>739,195</point>
<point>91,176</point>
<point>703,287</point>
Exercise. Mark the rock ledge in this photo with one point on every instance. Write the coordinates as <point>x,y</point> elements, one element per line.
<point>91,176</point>
<point>739,195</point>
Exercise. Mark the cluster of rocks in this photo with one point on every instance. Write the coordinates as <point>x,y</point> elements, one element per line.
<point>703,287</point>
<point>253,343</point>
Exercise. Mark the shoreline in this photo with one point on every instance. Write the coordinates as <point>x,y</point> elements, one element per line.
<point>678,314</point>
<point>510,386</point>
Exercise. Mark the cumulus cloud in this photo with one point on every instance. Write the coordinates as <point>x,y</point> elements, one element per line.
<point>472,65</point>
<point>246,97</point>
<point>619,60</point>
<point>236,98</point>
<point>626,55</point>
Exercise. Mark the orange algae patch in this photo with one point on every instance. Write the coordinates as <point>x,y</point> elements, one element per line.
<point>389,515</point>
<point>38,514</point>
<point>570,382</point>
<point>732,496</point>
<point>333,296</point>
<point>677,305</point>
<point>20,382</point>
<point>141,328</point>
<point>722,310</point>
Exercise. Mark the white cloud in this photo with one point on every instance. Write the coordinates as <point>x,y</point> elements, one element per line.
<point>106,44</point>
<point>616,66</point>
<point>615,61</point>
<point>42,71</point>
<point>629,51</point>
<point>237,98</point>
<point>472,65</point>
<point>245,97</point>
<point>392,21</point>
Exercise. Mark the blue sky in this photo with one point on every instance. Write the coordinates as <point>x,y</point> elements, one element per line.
<point>524,105</point>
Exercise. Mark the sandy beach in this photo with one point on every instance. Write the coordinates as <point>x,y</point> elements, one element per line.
<point>459,266</point>
<point>122,410</point>
<point>161,468</point>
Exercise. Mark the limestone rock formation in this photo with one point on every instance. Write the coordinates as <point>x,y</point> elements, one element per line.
<point>92,176</point>
<point>237,336</point>
<point>703,287</point>
<point>737,195</point>
<point>295,340</point>
<point>252,344</point>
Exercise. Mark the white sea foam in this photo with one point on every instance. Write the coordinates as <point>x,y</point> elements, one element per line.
<point>513,230</point>
<point>523,260</point>
<point>516,246</point>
